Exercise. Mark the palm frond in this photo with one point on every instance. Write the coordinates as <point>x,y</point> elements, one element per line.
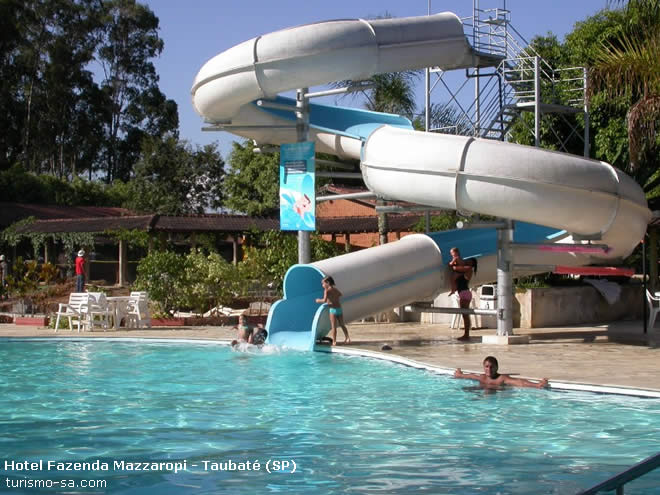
<point>630,69</point>
<point>643,122</point>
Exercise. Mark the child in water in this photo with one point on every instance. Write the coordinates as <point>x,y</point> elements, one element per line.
<point>332,296</point>
<point>247,333</point>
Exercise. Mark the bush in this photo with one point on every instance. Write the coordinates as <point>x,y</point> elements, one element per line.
<point>162,274</point>
<point>273,253</point>
<point>199,281</point>
<point>195,281</point>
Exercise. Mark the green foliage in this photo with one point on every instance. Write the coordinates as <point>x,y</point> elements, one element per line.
<point>24,277</point>
<point>173,178</point>
<point>393,92</point>
<point>22,186</point>
<point>543,280</point>
<point>71,241</point>
<point>12,235</point>
<point>273,253</point>
<point>162,274</point>
<point>133,237</point>
<point>449,120</point>
<point>48,273</point>
<point>445,221</point>
<point>210,281</point>
<point>196,281</point>
<point>252,182</point>
<point>199,281</point>
<point>584,43</point>
<point>627,65</point>
<point>556,130</point>
<point>58,116</point>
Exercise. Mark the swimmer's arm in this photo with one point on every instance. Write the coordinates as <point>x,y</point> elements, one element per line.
<point>325,297</point>
<point>522,382</point>
<point>469,376</point>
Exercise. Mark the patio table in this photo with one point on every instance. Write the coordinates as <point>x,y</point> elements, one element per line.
<point>119,308</point>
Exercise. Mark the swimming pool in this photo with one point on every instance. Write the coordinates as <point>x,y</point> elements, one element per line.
<point>350,425</point>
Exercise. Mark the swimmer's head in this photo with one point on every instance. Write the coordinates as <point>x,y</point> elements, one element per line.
<point>491,366</point>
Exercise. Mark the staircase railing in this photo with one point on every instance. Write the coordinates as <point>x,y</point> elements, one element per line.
<point>632,473</point>
<point>514,80</point>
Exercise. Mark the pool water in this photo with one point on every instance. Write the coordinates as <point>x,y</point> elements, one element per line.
<point>350,425</point>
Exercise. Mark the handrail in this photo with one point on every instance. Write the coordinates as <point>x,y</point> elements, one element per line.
<point>630,474</point>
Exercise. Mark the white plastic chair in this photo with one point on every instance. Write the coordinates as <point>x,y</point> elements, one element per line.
<point>654,307</point>
<point>75,309</point>
<point>98,311</point>
<point>137,312</point>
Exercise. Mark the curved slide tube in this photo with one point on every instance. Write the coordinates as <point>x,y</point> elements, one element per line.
<point>574,197</point>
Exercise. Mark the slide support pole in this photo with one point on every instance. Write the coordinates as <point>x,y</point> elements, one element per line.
<point>302,131</point>
<point>505,279</point>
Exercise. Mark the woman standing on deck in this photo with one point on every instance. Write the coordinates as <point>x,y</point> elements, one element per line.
<point>463,271</point>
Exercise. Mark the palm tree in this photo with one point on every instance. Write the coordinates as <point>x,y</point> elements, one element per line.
<point>630,67</point>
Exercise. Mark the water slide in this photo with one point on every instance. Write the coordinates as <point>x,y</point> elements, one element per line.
<point>554,198</point>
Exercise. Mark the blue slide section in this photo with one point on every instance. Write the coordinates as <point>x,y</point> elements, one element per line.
<point>294,321</point>
<point>483,242</point>
<point>350,122</point>
<point>298,320</point>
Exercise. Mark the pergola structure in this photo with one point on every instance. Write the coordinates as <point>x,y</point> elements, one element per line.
<point>232,228</point>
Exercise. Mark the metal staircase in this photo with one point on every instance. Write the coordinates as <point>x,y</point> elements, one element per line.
<point>519,81</point>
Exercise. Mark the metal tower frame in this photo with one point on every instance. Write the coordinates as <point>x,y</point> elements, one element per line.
<point>521,82</point>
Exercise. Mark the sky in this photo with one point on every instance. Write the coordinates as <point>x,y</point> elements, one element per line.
<point>195,31</point>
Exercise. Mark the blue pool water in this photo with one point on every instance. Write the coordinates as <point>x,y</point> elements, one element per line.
<point>351,425</point>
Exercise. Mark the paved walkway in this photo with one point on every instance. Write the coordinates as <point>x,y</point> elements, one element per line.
<point>585,354</point>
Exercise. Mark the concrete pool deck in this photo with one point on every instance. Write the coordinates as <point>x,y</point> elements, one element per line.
<point>584,354</point>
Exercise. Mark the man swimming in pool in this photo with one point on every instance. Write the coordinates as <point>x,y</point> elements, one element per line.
<point>492,379</point>
<point>332,296</point>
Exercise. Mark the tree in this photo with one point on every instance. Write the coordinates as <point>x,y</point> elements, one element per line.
<point>252,182</point>
<point>45,49</point>
<point>446,118</point>
<point>629,66</point>
<point>270,254</point>
<point>135,108</point>
<point>173,178</point>
<point>48,49</point>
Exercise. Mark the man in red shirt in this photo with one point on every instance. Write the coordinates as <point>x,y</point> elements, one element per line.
<point>80,271</point>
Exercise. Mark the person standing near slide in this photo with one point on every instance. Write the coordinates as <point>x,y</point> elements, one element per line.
<point>332,296</point>
<point>460,278</point>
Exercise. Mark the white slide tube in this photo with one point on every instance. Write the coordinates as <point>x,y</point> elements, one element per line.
<point>323,52</point>
<point>581,196</point>
<point>379,278</point>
